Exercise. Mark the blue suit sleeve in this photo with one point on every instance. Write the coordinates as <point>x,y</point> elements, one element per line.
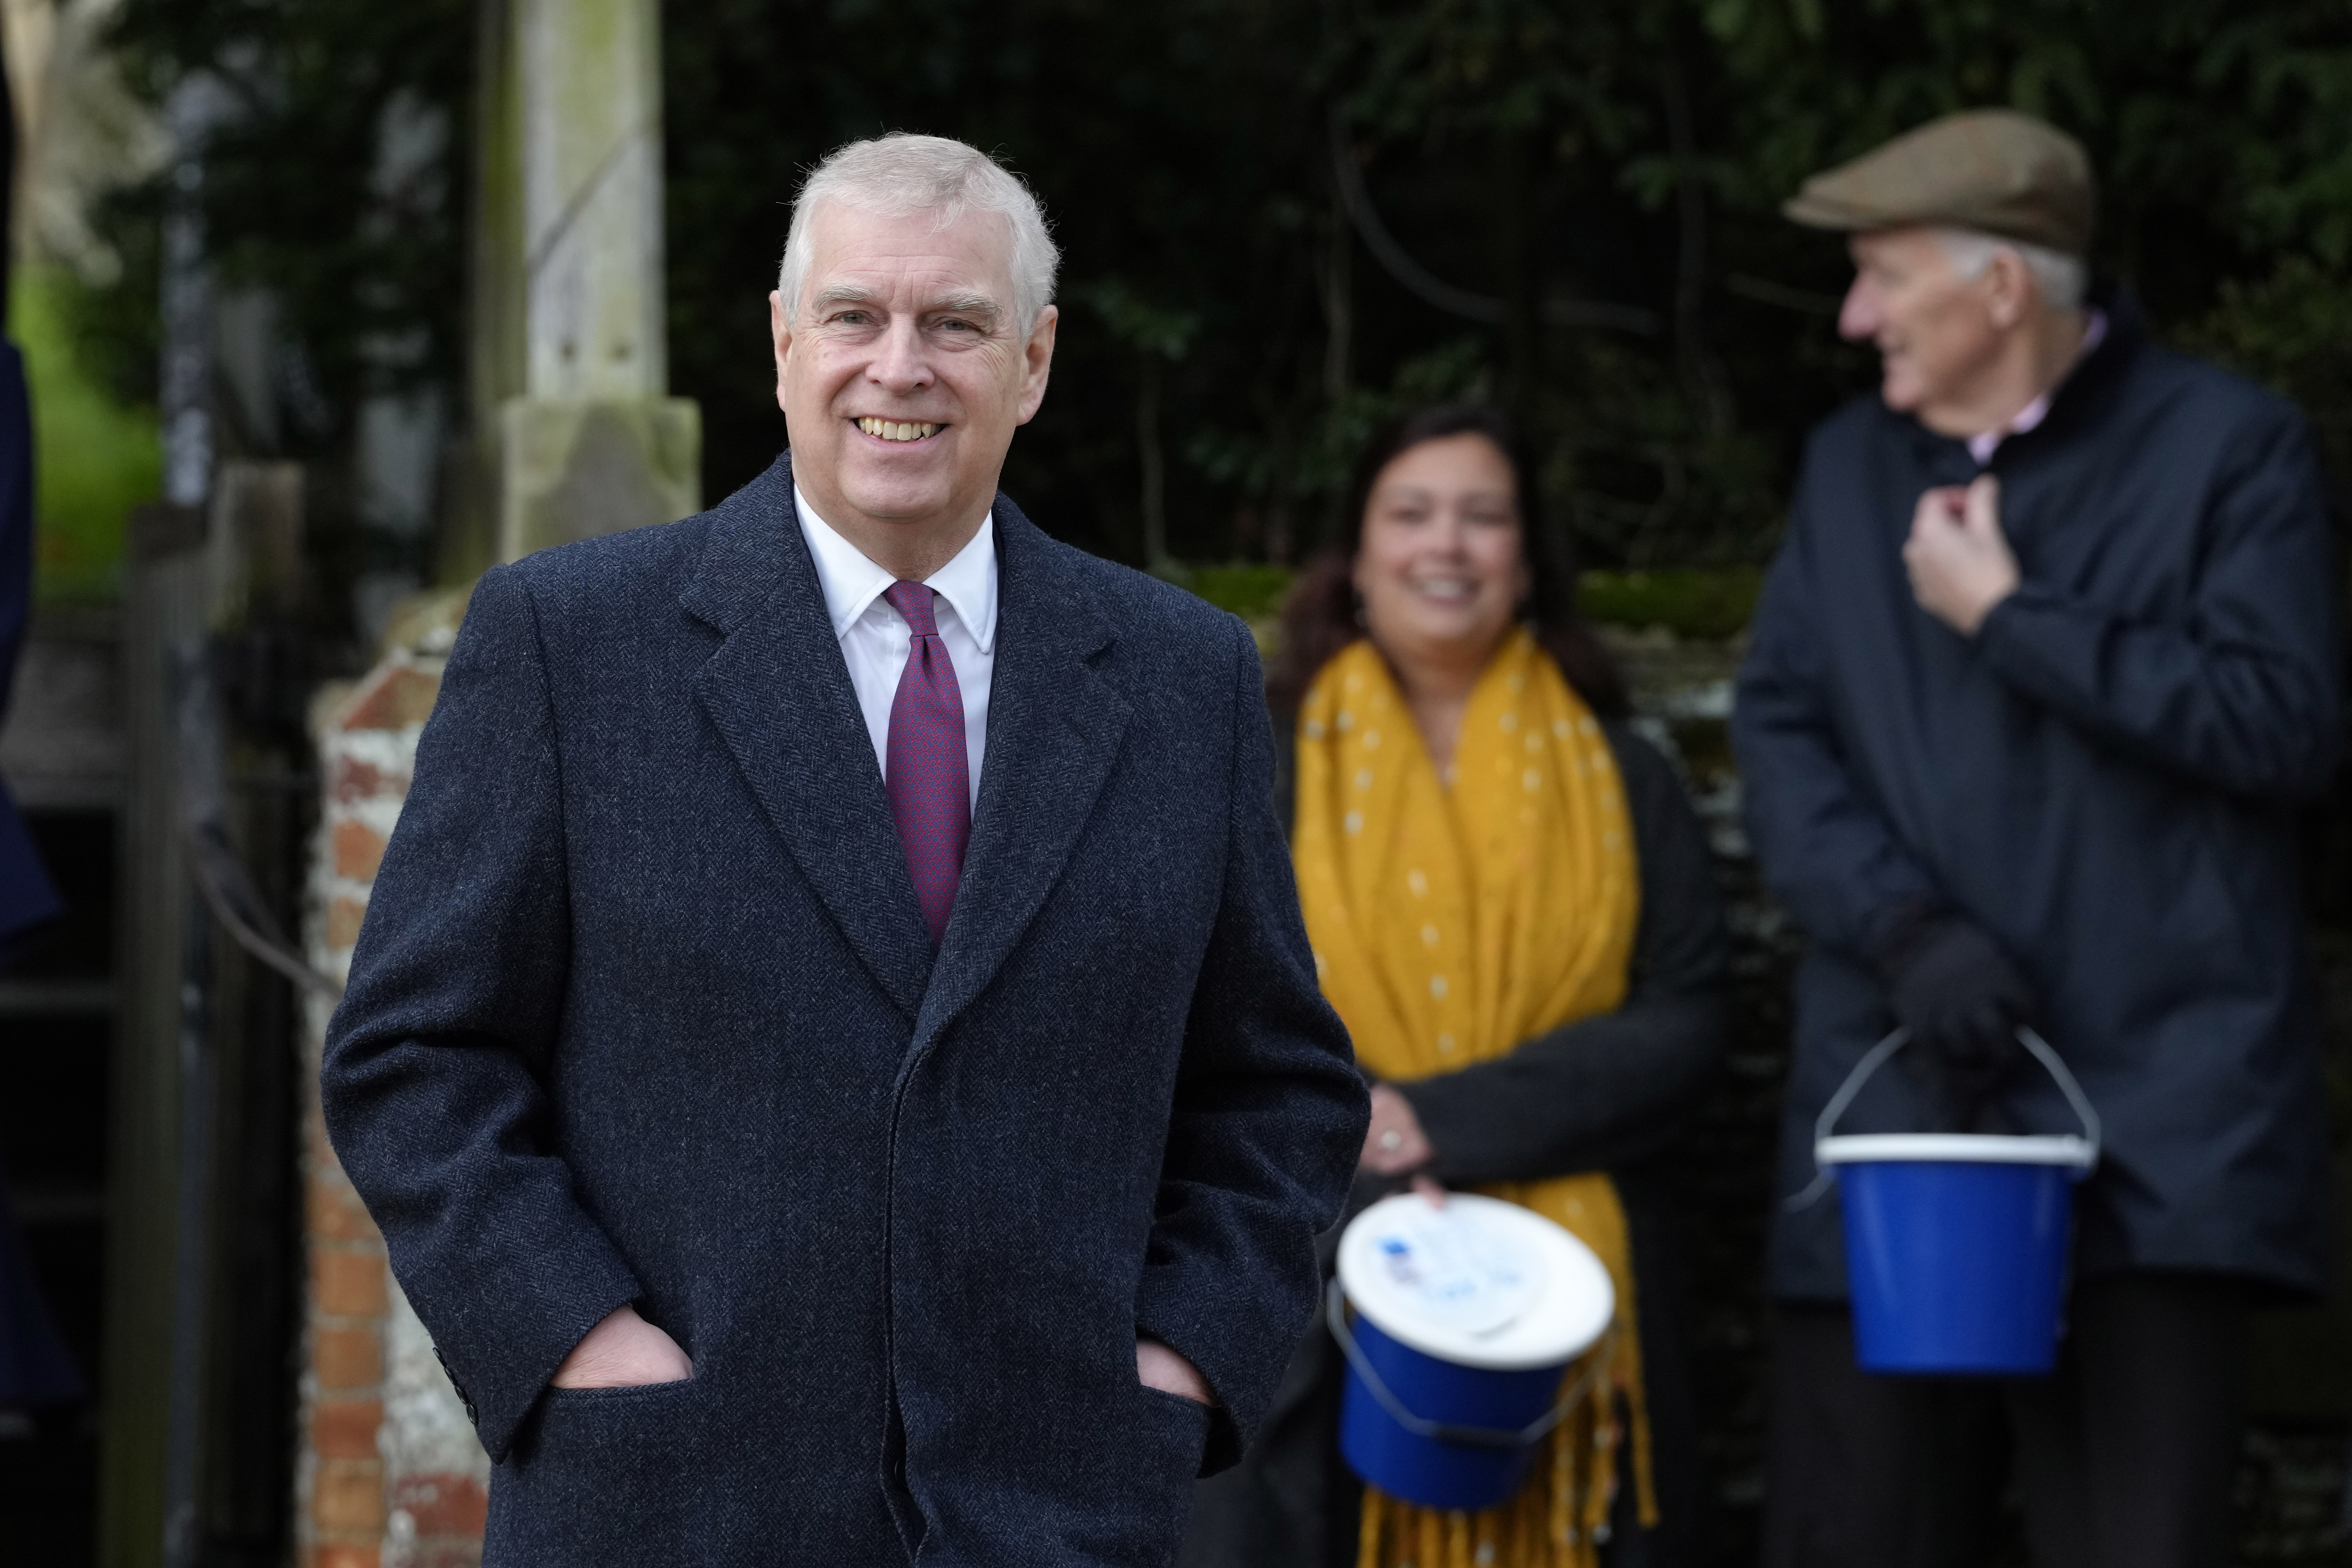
<point>434,1081</point>
<point>2238,692</point>
<point>1268,1119</point>
<point>15,513</point>
<point>26,896</point>
<point>1824,847</point>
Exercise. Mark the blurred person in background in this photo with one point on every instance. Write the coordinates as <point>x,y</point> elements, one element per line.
<point>2045,665</point>
<point>35,1370</point>
<point>1512,908</point>
<point>27,899</point>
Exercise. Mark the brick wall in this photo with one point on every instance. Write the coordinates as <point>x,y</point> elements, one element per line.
<point>389,1474</point>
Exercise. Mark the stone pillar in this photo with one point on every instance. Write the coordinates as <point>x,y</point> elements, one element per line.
<point>590,101</point>
<point>571,372</point>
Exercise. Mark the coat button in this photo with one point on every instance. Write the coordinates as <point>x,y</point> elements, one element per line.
<point>464,1398</point>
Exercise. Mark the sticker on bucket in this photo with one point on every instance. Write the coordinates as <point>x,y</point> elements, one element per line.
<point>1453,1270</point>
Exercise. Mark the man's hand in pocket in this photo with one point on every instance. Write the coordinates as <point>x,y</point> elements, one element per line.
<point>1158,1367</point>
<point>623,1351</point>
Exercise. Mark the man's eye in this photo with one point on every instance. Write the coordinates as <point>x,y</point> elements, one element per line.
<point>952,326</point>
<point>851,318</point>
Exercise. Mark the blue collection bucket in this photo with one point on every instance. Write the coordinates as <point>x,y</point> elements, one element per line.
<point>1465,1320</point>
<point>1957,1244</point>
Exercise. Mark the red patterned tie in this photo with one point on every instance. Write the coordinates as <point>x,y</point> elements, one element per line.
<point>927,777</point>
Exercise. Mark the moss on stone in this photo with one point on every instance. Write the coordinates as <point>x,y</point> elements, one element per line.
<point>1706,604</point>
<point>1252,592</point>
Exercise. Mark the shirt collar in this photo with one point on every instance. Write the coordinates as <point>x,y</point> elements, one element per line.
<point>852,582</point>
<point>1982,446</point>
<point>968,583</point>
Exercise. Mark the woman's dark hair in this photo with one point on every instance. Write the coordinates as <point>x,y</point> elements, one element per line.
<point>1320,617</point>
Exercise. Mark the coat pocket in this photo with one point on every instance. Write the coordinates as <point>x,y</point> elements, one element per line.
<point>1172,1435</point>
<point>605,1475</point>
<point>1123,1489</point>
<point>1182,1423</point>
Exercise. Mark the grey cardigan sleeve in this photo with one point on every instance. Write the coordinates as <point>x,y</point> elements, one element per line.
<point>1610,1090</point>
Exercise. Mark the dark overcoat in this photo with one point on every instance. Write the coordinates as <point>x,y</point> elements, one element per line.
<point>644,1010</point>
<point>2105,777</point>
<point>27,896</point>
<point>34,1367</point>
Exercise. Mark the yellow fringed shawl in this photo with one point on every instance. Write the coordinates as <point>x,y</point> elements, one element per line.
<point>1452,920</point>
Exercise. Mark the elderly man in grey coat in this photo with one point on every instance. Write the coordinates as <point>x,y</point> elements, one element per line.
<point>833,1051</point>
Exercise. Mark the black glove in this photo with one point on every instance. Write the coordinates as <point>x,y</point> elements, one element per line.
<point>1962,999</point>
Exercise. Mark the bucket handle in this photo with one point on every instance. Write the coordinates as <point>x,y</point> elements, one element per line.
<point>1876,1058</point>
<point>1336,1312</point>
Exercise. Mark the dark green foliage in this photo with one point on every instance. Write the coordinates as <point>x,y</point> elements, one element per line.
<point>1631,153</point>
<point>339,183</point>
<point>115,329</point>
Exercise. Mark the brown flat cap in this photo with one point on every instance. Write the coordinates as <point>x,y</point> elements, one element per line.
<point>1991,170</point>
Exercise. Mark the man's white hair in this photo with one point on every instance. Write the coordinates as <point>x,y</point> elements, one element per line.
<point>899,175</point>
<point>2062,278</point>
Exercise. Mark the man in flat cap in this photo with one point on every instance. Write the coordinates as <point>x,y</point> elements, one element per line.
<point>2043,668</point>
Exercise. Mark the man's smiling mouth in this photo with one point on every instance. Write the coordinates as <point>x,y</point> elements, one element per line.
<point>896,430</point>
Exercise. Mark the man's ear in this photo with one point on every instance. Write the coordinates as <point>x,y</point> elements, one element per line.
<point>2011,286</point>
<point>780,332</point>
<point>1037,363</point>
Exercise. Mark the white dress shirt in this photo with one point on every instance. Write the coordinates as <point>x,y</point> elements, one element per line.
<point>875,640</point>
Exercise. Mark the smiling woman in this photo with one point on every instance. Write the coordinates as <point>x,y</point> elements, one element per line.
<point>1512,909</point>
<point>1322,614</point>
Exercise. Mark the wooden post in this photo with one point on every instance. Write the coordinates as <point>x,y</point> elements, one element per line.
<point>166,617</point>
<point>200,1188</point>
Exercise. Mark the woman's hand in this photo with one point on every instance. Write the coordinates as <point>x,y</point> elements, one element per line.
<point>1394,1144</point>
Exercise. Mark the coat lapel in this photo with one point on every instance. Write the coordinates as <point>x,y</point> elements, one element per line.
<point>1054,725</point>
<point>778,691</point>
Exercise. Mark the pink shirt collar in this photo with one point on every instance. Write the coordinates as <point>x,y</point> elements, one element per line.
<point>1982,447</point>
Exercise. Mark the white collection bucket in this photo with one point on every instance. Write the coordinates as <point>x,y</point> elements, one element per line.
<point>1466,1319</point>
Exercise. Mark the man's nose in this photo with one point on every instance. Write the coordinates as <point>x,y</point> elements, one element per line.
<point>1859,315</point>
<point>900,364</point>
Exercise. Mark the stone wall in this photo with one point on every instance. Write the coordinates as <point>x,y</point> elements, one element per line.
<point>389,1473</point>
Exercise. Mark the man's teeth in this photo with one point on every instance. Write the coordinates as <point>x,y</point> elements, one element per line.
<point>893,430</point>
